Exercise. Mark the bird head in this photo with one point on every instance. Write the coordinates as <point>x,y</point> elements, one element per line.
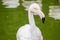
<point>35,9</point>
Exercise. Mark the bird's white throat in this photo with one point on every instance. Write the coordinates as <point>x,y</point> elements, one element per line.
<point>31,19</point>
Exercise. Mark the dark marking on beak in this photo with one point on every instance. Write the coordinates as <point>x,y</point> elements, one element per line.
<point>43,19</point>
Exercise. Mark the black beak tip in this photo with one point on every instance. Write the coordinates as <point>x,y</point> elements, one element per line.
<point>43,20</point>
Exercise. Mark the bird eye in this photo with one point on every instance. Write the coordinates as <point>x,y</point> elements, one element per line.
<point>35,9</point>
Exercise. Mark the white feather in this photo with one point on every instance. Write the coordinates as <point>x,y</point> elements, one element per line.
<point>30,31</point>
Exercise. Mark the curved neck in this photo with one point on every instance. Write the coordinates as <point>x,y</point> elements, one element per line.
<point>32,25</point>
<point>31,19</point>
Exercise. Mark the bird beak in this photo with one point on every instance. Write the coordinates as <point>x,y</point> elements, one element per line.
<point>42,16</point>
<point>43,20</point>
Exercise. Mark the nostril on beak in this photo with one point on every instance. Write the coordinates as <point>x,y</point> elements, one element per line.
<point>43,19</point>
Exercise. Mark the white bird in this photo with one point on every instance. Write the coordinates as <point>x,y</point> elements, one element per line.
<point>31,31</point>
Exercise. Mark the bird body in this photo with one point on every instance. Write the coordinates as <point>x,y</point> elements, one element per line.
<point>31,31</point>
<point>25,33</point>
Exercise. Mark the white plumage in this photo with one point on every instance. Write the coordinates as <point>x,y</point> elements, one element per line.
<point>25,33</point>
<point>10,3</point>
<point>31,31</point>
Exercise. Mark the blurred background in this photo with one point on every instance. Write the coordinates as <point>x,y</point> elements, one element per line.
<point>16,15</point>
